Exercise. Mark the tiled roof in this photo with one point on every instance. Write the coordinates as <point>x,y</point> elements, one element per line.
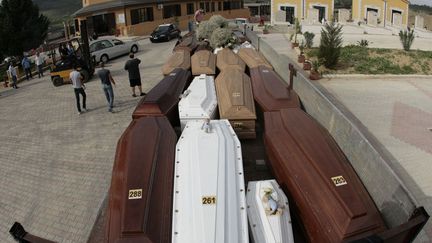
<point>115,4</point>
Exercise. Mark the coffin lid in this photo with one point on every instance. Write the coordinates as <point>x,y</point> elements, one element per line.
<point>253,58</point>
<point>234,92</point>
<point>310,164</point>
<point>203,62</point>
<point>226,58</point>
<point>188,43</point>
<point>164,96</point>
<point>268,227</point>
<point>209,167</point>
<point>270,91</point>
<point>179,59</point>
<point>199,100</point>
<point>144,162</point>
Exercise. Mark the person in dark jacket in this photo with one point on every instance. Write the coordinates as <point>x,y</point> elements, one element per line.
<point>132,66</point>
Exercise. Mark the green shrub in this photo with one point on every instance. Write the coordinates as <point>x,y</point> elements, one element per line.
<point>363,43</point>
<point>205,30</point>
<point>331,43</point>
<point>219,21</point>
<point>220,37</point>
<point>297,29</point>
<point>406,38</point>
<point>309,39</point>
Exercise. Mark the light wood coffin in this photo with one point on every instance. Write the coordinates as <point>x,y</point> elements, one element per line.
<point>199,101</point>
<point>329,197</point>
<point>163,99</point>
<point>235,101</point>
<point>226,58</point>
<point>270,91</point>
<point>178,59</point>
<point>203,62</point>
<point>189,43</point>
<point>140,197</point>
<point>268,213</point>
<point>253,58</point>
<point>209,191</point>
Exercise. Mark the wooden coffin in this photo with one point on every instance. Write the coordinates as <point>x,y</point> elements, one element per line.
<point>199,101</point>
<point>203,45</point>
<point>209,192</point>
<point>268,213</point>
<point>235,101</point>
<point>163,99</point>
<point>270,92</point>
<point>140,197</point>
<point>330,199</point>
<point>179,59</point>
<point>253,58</point>
<point>203,62</point>
<point>226,58</point>
<point>189,43</point>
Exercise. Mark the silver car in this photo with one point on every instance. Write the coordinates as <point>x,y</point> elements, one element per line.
<point>104,49</point>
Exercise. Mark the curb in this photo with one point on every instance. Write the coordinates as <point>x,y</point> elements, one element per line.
<point>376,76</point>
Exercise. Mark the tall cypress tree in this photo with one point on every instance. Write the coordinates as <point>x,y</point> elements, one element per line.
<point>21,26</point>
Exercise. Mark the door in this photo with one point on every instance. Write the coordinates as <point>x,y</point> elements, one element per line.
<point>289,13</point>
<point>396,17</point>
<point>321,12</point>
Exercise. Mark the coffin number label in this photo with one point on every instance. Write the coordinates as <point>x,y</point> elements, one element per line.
<point>339,181</point>
<point>209,200</point>
<point>236,94</point>
<point>135,194</point>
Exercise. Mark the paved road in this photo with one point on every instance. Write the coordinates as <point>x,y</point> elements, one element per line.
<point>55,164</point>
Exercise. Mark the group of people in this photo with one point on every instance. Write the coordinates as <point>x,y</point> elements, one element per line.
<point>107,81</point>
<point>26,64</point>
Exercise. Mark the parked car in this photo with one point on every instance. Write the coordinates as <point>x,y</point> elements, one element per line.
<point>165,32</point>
<point>104,49</point>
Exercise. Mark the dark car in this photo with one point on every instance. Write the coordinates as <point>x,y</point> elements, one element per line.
<point>165,32</point>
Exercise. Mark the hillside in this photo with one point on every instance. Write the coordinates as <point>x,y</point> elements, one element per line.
<point>58,10</point>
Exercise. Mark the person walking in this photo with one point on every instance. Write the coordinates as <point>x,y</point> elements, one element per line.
<point>78,85</point>
<point>132,66</point>
<point>13,74</point>
<point>106,80</point>
<point>39,60</point>
<point>25,62</point>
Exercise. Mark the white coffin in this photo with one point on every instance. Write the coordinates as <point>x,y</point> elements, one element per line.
<point>199,101</point>
<point>209,192</point>
<point>269,226</point>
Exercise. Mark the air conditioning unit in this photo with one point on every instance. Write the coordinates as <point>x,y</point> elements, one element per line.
<point>160,6</point>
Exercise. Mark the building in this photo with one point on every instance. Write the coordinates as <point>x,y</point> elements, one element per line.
<point>313,11</point>
<point>381,12</point>
<point>258,8</point>
<point>141,17</point>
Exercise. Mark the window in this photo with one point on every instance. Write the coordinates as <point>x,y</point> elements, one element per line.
<point>235,5</point>
<point>171,11</point>
<point>190,9</point>
<point>202,5</point>
<point>207,7</point>
<point>212,6</point>
<point>141,15</point>
<point>219,6</point>
<point>226,6</point>
<point>100,45</point>
<point>117,42</point>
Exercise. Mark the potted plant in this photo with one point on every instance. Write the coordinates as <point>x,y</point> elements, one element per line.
<point>297,30</point>
<point>314,73</point>
<point>307,65</point>
<point>266,29</point>
<point>301,57</point>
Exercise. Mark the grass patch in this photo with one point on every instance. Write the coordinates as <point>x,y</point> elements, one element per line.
<point>362,60</point>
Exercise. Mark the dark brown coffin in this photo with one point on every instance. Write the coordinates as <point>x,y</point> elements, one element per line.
<point>144,160</point>
<point>270,92</point>
<point>226,58</point>
<point>163,99</point>
<point>253,58</point>
<point>235,101</point>
<point>189,43</point>
<point>203,62</point>
<point>308,164</point>
<point>178,59</point>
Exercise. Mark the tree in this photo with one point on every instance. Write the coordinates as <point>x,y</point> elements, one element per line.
<point>331,44</point>
<point>21,26</point>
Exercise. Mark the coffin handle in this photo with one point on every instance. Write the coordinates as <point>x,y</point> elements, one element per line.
<point>185,94</point>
